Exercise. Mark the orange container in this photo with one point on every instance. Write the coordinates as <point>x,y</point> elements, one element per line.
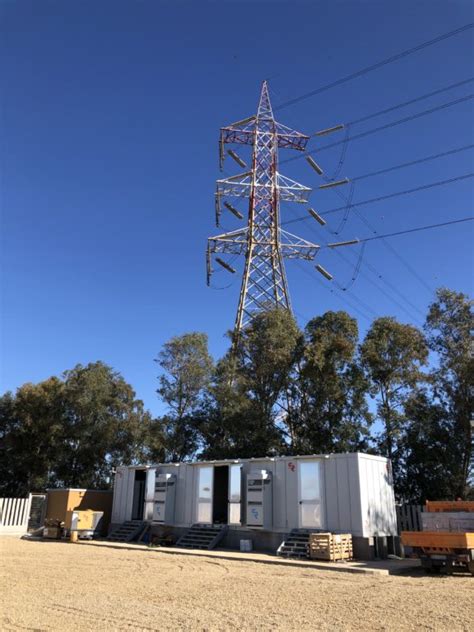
<point>438,539</point>
<point>449,505</point>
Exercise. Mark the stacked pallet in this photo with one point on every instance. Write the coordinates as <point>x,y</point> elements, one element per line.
<point>448,521</point>
<point>329,546</point>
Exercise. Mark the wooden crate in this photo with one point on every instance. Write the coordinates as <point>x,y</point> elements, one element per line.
<point>449,505</point>
<point>330,546</point>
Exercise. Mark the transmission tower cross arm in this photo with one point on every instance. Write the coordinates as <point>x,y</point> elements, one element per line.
<point>290,138</point>
<point>243,132</point>
<point>241,186</point>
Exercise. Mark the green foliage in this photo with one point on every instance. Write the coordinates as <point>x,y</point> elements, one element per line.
<point>333,415</point>
<point>32,424</point>
<point>440,437</point>
<point>106,426</point>
<point>187,366</point>
<point>265,356</point>
<point>187,369</point>
<point>246,402</point>
<point>227,420</point>
<point>70,432</point>
<point>392,355</point>
<point>430,451</point>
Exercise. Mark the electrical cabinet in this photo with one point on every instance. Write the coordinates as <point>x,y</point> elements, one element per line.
<point>165,490</point>
<point>259,499</point>
<point>87,522</point>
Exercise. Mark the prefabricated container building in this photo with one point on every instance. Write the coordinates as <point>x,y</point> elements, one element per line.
<point>264,497</point>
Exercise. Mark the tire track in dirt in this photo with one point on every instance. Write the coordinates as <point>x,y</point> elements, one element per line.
<point>16,626</point>
<point>222,566</point>
<point>81,613</point>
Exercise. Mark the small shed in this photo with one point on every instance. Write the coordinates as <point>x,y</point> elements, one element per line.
<point>60,501</point>
<point>264,497</point>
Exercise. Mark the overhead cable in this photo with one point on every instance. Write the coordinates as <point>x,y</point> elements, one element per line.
<point>363,119</point>
<point>375,283</point>
<point>386,197</point>
<point>380,64</point>
<point>375,130</point>
<point>412,163</point>
<point>414,230</point>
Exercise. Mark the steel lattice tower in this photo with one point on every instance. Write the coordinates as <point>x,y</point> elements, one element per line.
<point>263,241</point>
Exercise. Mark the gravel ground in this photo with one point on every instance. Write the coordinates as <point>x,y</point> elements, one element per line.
<point>62,586</point>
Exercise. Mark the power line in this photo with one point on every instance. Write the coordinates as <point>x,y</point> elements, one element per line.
<point>414,230</point>
<point>423,187</point>
<point>367,117</point>
<point>390,297</point>
<point>375,130</point>
<point>386,197</point>
<point>412,163</point>
<point>387,244</point>
<point>379,64</point>
<point>393,287</point>
<point>363,305</point>
<point>408,266</point>
<point>343,297</point>
<point>380,277</point>
<point>349,205</point>
<point>348,126</point>
<point>356,271</point>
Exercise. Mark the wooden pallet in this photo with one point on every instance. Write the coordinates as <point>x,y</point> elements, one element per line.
<point>330,546</point>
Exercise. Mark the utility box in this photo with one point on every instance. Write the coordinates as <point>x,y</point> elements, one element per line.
<point>87,523</point>
<point>165,490</point>
<point>259,499</point>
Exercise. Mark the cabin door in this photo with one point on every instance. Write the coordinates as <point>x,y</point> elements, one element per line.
<point>235,493</point>
<point>205,493</point>
<point>309,484</point>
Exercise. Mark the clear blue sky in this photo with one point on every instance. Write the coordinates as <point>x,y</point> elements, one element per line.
<point>110,119</point>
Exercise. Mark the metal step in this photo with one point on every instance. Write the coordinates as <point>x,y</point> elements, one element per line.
<point>295,544</point>
<point>202,537</point>
<point>127,532</point>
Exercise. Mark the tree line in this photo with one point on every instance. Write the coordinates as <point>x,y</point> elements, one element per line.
<point>402,392</point>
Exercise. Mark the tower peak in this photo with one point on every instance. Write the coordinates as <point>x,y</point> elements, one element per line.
<point>264,106</point>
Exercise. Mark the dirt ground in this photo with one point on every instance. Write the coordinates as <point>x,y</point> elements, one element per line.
<point>62,586</point>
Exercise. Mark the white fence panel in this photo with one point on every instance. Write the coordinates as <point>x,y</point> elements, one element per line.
<point>14,515</point>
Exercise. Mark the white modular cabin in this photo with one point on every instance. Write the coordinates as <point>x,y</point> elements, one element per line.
<point>342,493</point>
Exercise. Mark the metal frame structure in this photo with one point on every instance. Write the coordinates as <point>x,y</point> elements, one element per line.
<point>263,241</point>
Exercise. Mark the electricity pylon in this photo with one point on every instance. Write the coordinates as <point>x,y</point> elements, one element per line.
<point>263,242</point>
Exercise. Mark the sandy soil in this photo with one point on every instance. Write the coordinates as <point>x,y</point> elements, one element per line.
<point>62,586</point>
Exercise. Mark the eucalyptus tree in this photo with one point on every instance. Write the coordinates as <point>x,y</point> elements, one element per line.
<point>186,375</point>
<point>392,356</point>
<point>334,416</point>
